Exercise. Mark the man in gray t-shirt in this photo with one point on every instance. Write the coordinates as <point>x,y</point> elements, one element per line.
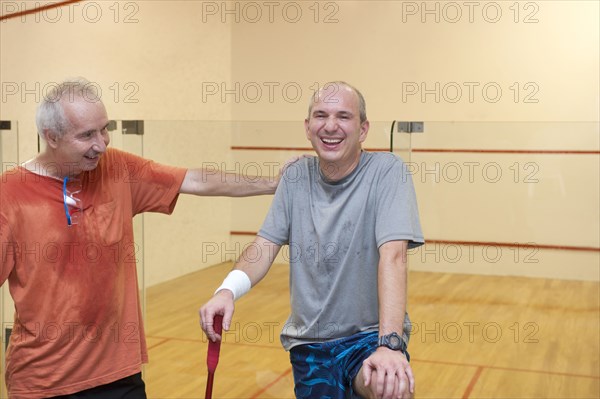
<point>349,217</point>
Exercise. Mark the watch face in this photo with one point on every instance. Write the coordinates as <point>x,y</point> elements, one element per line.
<point>395,341</point>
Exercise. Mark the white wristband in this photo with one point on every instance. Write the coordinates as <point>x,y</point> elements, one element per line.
<point>237,282</point>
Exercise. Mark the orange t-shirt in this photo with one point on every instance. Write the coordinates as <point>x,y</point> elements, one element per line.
<point>78,322</point>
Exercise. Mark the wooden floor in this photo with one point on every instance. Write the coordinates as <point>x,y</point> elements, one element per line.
<point>473,337</point>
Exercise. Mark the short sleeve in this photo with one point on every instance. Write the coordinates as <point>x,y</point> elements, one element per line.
<point>276,227</point>
<point>397,214</point>
<point>8,250</point>
<point>154,187</point>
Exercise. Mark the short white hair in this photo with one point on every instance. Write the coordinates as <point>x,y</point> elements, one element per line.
<point>50,114</point>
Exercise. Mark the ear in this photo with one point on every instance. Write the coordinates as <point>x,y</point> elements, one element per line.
<point>52,138</point>
<point>306,131</point>
<point>364,130</point>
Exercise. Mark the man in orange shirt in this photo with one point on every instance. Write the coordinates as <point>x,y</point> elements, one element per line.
<point>68,251</point>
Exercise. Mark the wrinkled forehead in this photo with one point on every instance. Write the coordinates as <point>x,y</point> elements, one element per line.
<point>84,114</point>
<point>334,90</point>
<point>80,105</point>
<point>334,94</point>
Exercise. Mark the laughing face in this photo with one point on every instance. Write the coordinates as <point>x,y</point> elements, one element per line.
<point>79,149</point>
<point>335,130</point>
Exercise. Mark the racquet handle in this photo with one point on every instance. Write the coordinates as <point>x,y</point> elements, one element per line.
<point>212,357</point>
<point>209,386</point>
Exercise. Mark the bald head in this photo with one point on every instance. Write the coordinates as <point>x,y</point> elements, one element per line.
<point>329,90</point>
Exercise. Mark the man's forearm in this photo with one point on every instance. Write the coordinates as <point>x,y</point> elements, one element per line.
<point>257,258</point>
<point>392,287</point>
<point>217,183</point>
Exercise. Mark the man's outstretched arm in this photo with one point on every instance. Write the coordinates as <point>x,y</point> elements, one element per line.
<point>214,182</point>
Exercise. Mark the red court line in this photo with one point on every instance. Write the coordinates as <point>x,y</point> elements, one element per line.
<point>479,243</point>
<point>38,9</point>
<point>263,390</point>
<point>511,369</point>
<point>432,150</point>
<point>476,151</point>
<point>205,341</point>
<point>258,148</point>
<point>516,245</point>
<point>164,340</point>
<point>559,373</point>
<point>242,233</point>
<point>472,383</point>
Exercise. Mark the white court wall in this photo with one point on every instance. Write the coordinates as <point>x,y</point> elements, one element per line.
<point>484,76</point>
<point>508,62</point>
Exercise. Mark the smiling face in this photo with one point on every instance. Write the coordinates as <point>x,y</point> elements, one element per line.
<point>335,130</point>
<point>79,149</point>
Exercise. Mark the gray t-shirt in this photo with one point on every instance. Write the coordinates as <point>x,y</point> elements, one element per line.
<point>334,231</point>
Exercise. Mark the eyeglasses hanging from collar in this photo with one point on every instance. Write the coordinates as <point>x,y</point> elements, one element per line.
<point>72,202</point>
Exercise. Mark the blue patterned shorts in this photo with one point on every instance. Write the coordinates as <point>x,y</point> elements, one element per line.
<point>326,370</point>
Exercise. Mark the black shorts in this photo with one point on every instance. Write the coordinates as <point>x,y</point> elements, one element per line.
<point>131,387</point>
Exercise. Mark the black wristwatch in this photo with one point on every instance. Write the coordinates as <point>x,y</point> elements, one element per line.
<point>393,341</point>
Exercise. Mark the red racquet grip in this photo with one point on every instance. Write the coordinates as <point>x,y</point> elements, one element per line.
<point>212,357</point>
